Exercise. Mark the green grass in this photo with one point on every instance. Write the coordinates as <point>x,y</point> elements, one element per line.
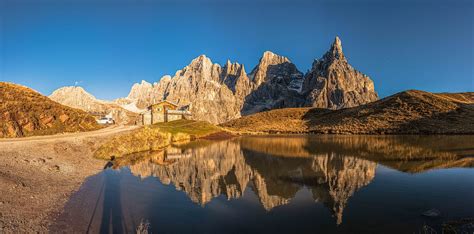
<point>196,129</point>
<point>155,137</point>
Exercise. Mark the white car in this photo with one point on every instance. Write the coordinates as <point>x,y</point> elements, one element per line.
<point>105,120</point>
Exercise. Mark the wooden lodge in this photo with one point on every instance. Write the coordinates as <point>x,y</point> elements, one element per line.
<point>164,111</point>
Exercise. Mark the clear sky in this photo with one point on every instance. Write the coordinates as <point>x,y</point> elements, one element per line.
<point>107,45</point>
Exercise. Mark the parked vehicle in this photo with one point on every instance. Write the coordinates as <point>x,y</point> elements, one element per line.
<point>106,120</point>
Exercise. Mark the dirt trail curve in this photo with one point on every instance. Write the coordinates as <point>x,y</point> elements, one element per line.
<point>101,132</point>
<point>38,174</point>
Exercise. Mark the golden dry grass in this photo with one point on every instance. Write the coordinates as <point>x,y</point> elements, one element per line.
<point>25,112</point>
<point>155,137</point>
<point>409,112</point>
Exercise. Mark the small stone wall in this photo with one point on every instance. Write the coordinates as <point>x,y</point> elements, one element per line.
<point>146,118</point>
<point>172,117</point>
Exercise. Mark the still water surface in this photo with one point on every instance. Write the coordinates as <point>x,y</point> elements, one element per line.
<point>283,184</point>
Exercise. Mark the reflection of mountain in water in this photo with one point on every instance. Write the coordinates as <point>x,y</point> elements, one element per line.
<point>404,153</point>
<point>276,168</point>
<point>227,168</point>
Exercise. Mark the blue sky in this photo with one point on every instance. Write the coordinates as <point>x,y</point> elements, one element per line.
<point>109,45</point>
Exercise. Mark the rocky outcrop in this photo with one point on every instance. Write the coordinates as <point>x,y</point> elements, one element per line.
<point>142,93</point>
<point>77,97</point>
<point>200,85</point>
<point>333,83</point>
<point>219,94</point>
<point>277,83</point>
<point>25,112</point>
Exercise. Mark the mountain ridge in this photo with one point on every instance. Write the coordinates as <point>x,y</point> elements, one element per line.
<point>78,97</point>
<point>219,93</point>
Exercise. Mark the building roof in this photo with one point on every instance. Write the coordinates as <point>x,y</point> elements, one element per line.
<point>165,101</point>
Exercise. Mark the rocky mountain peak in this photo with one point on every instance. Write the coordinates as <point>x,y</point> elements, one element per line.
<point>77,97</point>
<point>138,89</point>
<point>336,46</point>
<point>234,69</point>
<point>269,61</point>
<point>269,57</point>
<point>275,81</point>
<point>335,52</point>
<point>200,62</point>
<point>72,93</point>
<point>144,82</point>
<point>165,78</point>
<point>221,93</point>
<point>333,83</point>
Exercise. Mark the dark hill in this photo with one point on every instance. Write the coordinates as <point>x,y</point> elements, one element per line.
<point>409,112</point>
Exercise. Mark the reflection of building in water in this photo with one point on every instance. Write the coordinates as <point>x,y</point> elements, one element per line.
<point>225,168</point>
<point>176,153</point>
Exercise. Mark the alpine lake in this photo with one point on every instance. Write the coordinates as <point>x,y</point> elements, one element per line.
<point>284,184</point>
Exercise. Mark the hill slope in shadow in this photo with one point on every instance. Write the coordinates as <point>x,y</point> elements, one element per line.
<point>408,112</point>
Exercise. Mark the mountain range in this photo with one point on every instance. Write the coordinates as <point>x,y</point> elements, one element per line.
<point>77,97</point>
<point>218,93</point>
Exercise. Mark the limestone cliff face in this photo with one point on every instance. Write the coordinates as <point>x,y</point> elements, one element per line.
<point>333,83</point>
<point>200,86</point>
<point>219,94</point>
<point>142,93</point>
<point>228,168</point>
<point>77,97</point>
<point>277,83</point>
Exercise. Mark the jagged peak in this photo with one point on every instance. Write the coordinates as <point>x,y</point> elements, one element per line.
<point>336,49</point>
<point>337,43</point>
<point>201,59</point>
<point>165,77</point>
<point>142,83</point>
<point>242,70</point>
<point>270,57</point>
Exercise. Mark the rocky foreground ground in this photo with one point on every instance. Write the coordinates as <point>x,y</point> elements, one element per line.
<point>38,174</point>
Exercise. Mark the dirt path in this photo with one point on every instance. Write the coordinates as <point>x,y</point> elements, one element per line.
<point>38,174</point>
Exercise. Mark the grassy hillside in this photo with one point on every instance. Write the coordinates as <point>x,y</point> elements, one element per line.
<point>25,112</point>
<point>156,137</point>
<point>409,112</point>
